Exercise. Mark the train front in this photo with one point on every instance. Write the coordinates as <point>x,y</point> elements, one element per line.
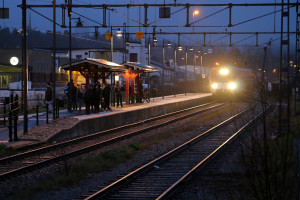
<point>223,81</point>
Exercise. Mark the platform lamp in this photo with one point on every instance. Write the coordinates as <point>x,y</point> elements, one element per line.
<point>196,12</point>
<point>194,60</point>
<point>119,34</point>
<point>78,25</point>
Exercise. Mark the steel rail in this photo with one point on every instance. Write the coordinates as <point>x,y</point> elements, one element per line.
<point>90,148</point>
<point>200,165</point>
<point>159,5</point>
<point>110,188</point>
<point>89,136</point>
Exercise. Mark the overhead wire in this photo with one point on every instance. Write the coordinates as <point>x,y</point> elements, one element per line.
<point>44,16</point>
<point>87,18</point>
<point>216,40</point>
<point>243,39</point>
<point>170,15</point>
<point>261,16</point>
<point>276,39</point>
<point>125,16</point>
<point>192,40</point>
<point>209,15</point>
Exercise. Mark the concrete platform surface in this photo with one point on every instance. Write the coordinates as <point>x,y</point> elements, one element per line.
<point>71,125</point>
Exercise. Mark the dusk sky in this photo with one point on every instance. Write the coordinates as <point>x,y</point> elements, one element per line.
<point>239,14</point>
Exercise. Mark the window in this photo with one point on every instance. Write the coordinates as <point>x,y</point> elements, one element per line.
<point>133,57</point>
<point>78,57</point>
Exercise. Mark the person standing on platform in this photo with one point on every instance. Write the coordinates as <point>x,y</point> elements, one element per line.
<point>74,100</point>
<point>97,96</point>
<point>48,96</point>
<point>106,95</point>
<point>88,99</point>
<point>69,90</point>
<point>118,92</point>
<point>79,97</point>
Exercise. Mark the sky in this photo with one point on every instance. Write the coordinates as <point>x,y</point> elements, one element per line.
<point>239,14</point>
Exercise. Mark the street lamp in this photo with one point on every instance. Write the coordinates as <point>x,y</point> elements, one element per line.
<point>78,24</point>
<point>119,34</point>
<point>196,12</point>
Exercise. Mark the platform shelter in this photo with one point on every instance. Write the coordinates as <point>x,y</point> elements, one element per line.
<point>134,72</point>
<point>102,69</point>
<point>95,68</point>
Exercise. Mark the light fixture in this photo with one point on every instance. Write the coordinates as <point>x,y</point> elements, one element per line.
<point>214,85</point>
<point>117,78</point>
<point>224,71</point>
<point>119,33</point>
<point>79,23</point>
<point>191,49</point>
<point>169,44</point>
<point>14,60</point>
<point>180,48</point>
<point>196,12</point>
<point>232,85</point>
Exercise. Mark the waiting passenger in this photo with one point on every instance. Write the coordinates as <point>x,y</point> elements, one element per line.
<point>118,92</point>
<point>106,96</point>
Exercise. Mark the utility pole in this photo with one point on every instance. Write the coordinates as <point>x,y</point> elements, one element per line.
<point>163,74</point>
<point>25,65</point>
<point>148,75</point>
<point>185,70</point>
<point>174,81</point>
<point>70,37</point>
<point>54,59</point>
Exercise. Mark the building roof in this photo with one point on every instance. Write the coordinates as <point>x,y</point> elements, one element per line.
<point>139,66</point>
<point>91,63</point>
<point>9,69</point>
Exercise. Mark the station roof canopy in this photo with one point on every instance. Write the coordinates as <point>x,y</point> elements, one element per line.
<point>98,65</point>
<point>140,67</point>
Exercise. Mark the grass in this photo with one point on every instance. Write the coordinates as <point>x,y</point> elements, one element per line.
<point>6,151</point>
<point>278,169</point>
<point>76,172</point>
<point>105,161</point>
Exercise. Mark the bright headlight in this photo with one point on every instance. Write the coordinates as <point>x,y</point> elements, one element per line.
<point>214,85</point>
<point>224,71</point>
<point>231,85</point>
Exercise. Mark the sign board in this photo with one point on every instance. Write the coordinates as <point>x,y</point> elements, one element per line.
<point>4,13</point>
<point>164,12</point>
<point>107,36</point>
<point>209,51</point>
<point>203,75</point>
<point>139,35</point>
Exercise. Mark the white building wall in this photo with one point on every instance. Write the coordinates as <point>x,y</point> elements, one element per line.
<point>82,53</point>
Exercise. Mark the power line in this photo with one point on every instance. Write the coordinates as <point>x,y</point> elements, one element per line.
<point>209,15</point>
<point>261,16</point>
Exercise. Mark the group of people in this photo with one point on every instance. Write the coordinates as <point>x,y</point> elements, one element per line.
<point>95,98</point>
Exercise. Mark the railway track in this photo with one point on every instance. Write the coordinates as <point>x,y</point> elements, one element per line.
<point>159,178</point>
<point>29,161</point>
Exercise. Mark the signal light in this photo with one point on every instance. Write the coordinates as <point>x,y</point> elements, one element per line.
<point>217,63</point>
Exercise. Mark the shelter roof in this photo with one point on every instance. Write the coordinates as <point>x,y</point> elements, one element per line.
<point>139,66</point>
<point>91,63</point>
<point>9,69</point>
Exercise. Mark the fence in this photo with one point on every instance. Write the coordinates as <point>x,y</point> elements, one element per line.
<point>11,110</point>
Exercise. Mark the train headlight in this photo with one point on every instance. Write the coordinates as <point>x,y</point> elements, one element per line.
<point>214,85</point>
<point>232,85</point>
<point>224,71</point>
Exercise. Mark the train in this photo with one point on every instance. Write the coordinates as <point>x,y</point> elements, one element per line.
<point>230,80</point>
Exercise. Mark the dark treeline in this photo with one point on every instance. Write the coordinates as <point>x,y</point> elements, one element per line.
<point>11,39</point>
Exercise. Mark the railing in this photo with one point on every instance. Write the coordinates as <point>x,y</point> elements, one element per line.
<point>12,111</point>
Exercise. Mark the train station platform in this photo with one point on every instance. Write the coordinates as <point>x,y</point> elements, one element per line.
<point>70,125</point>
